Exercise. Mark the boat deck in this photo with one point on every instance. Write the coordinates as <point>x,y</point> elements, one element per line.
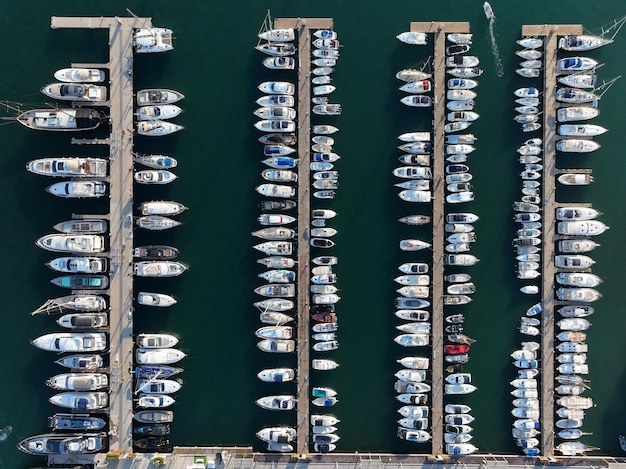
<point>303,26</point>
<point>438,364</point>
<point>120,217</point>
<point>548,269</point>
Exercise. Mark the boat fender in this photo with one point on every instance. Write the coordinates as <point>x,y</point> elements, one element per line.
<point>158,461</point>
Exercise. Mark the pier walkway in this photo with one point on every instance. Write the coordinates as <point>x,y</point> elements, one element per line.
<point>303,27</point>
<point>439,31</point>
<point>119,67</point>
<point>548,269</point>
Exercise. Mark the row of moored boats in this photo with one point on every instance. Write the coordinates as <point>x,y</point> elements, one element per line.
<point>84,314</point>
<point>278,116</point>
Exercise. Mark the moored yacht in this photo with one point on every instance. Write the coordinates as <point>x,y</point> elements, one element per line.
<point>151,40</point>
<point>62,120</point>
<point>69,167</point>
<point>78,189</point>
<point>157,96</point>
<point>78,75</point>
<point>82,92</point>
<point>79,244</point>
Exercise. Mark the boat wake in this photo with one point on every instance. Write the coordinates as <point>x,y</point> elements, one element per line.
<point>494,49</point>
<point>5,432</point>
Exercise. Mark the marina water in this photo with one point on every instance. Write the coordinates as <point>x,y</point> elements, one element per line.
<point>215,66</point>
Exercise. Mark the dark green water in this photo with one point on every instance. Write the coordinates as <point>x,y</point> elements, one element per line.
<point>215,66</point>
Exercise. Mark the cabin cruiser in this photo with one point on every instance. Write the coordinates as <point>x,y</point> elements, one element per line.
<point>278,402</point>
<point>462,84</point>
<point>82,401</point>
<point>82,92</point>
<point>277,49</point>
<point>150,40</point>
<point>161,207</point>
<point>69,167</point>
<point>155,176</point>
<point>576,64</point>
<point>89,265</point>
<point>417,87</point>
<point>65,444</point>
<point>571,145</point>
<point>573,261</point>
<point>83,320</point>
<point>155,299</point>
<point>581,227</point>
<point>74,119</point>
<point>72,342</point>
<point>159,268</point>
<point>158,356</point>
<point>79,381</point>
<point>158,386</point>
<point>78,422</point>
<point>576,213</point>
<point>152,401</point>
<point>156,252</point>
<point>79,75</point>
<point>157,111</point>
<point>576,245</point>
<point>585,295</point>
<point>279,63</point>
<point>413,38</point>
<point>275,112</point>
<point>409,75</point>
<point>277,88</point>
<point>277,345</point>
<point>275,125</point>
<point>81,361</point>
<point>78,189</point>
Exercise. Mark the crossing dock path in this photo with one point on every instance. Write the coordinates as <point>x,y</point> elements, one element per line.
<point>303,26</point>
<point>119,67</point>
<point>439,31</point>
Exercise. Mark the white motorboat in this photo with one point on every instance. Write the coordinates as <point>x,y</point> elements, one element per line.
<point>577,96</point>
<point>460,259</point>
<point>459,389</point>
<point>577,213</point>
<point>577,245</point>
<point>415,219</point>
<point>154,401</point>
<point>155,299</point>
<point>324,365</point>
<point>151,341</point>
<point>157,96</point>
<point>277,88</point>
<point>581,227</point>
<point>157,111</point>
<point>585,295</point>
<point>576,64</point>
<point>156,161</point>
<point>279,63</point>
<point>413,38</point>
<point>83,401</point>
<point>277,434</point>
<point>461,84</point>
<point>83,265</point>
<point>157,128</point>
<point>278,35</point>
<point>276,375</point>
<point>414,327</point>
<point>80,92</point>
<point>463,61</point>
<point>460,197</point>
<point>412,172</point>
<point>575,311</point>
<point>278,402</point>
<point>460,105</point>
<point>571,145</point>
<point>410,74</point>
<point>326,44</point>
<point>465,72</point>
<point>275,125</point>
<point>275,219</point>
<point>274,332</point>
<point>158,386</point>
<point>413,279</point>
<point>417,87</point>
<point>72,342</point>
<point>530,42</point>
<point>327,109</point>
<point>460,449</point>
<point>529,54</point>
<point>152,40</point>
<point>461,95</point>
<point>277,49</point>
<point>413,245</point>
<point>161,207</point>
<point>416,100</point>
<point>274,318</point>
<point>578,80</point>
<point>462,116</point>
<point>156,222</point>
<point>159,268</point>
<point>158,356</point>
<point>415,363</point>
<point>277,345</point>
<point>573,324</point>
<point>581,130</point>
<point>276,190</point>
<point>415,196</point>
<point>412,340</point>
<point>80,75</point>
<point>79,381</point>
<point>412,315</point>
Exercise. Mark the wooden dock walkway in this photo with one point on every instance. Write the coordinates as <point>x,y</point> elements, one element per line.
<point>548,269</point>
<point>303,27</point>
<point>120,292</point>
<point>438,363</point>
